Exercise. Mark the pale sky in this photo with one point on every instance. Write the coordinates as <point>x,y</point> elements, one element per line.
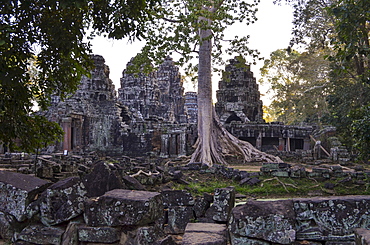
<point>271,31</point>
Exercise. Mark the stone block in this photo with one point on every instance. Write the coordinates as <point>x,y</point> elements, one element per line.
<point>205,234</point>
<point>149,235</point>
<point>124,207</point>
<point>241,240</point>
<point>18,191</point>
<point>331,218</point>
<point>132,183</point>
<point>177,198</point>
<point>280,174</point>
<point>70,236</point>
<point>39,234</point>
<point>270,221</point>
<point>223,202</point>
<point>105,234</point>
<point>6,229</point>
<point>104,177</point>
<point>178,218</point>
<point>200,206</point>
<point>362,236</point>
<point>62,201</point>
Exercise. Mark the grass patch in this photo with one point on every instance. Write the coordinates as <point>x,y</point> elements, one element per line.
<point>272,187</point>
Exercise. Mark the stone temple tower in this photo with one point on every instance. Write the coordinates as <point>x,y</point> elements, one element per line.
<point>158,95</point>
<point>238,98</point>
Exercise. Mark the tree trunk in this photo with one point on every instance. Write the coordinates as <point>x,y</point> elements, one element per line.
<point>214,141</point>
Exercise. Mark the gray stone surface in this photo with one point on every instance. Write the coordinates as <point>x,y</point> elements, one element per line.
<point>178,218</point>
<point>62,201</point>
<point>362,236</point>
<point>124,207</point>
<point>177,198</point>
<point>18,191</point>
<point>331,218</point>
<point>271,221</point>
<point>223,202</point>
<point>104,177</point>
<point>205,234</point>
<point>105,234</point>
<point>70,236</point>
<point>6,229</point>
<point>39,234</point>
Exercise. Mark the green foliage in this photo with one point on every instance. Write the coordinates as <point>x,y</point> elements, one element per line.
<point>298,85</point>
<point>272,187</point>
<point>175,30</point>
<point>340,28</point>
<point>42,52</point>
<point>360,129</point>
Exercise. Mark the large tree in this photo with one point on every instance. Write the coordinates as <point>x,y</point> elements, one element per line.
<point>43,52</point>
<point>195,28</point>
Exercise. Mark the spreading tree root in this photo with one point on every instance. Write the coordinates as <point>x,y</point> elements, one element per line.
<point>280,182</point>
<point>225,144</point>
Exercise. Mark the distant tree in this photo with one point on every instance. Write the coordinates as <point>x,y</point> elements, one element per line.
<point>195,29</point>
<point>43,52</point>
<point>341,27</point>
<point>298,84</point>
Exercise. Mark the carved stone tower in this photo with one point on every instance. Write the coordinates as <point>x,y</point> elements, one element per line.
<point>238,98</point>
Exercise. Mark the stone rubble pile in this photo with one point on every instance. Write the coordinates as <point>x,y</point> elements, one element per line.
<point>36,211</point>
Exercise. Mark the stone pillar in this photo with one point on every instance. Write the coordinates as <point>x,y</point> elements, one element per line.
<point>281,144</point>
<point>259,141</point>
<point>287,147</point>
<point>67,128</point>
<point>182,144</point>
<point>164,145</point>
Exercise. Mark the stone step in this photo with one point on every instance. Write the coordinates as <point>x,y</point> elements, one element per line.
<point>205,234</point>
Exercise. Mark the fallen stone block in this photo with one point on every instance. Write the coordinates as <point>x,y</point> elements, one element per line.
<point>70,236</point>
<point>132,183</point>
<point>105,234</point>
<point>205,234</point>
<point>331,218</point>
<point>177,198</point>
<point>104,177</point>
<point>178,218</point>
<point>200,207</point>
<point>18,191</point>
<point>249,181</point>
<point>62,201</point>
<point>223,202</point>
<point>40,234</point>
<point>6,228</point>
<point>362,236</point>
<point>124,207</point>
<point>271,221</point>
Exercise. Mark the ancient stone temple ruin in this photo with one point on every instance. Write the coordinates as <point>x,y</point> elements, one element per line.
<point>238,97</point>
<point>147,116</point>
<point>91,118</point>
<point>152,115</point>
<point>155,95</point>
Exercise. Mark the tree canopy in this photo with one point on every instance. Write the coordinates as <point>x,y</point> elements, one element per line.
<point>43,52</point>
<point>339,29</point>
